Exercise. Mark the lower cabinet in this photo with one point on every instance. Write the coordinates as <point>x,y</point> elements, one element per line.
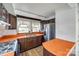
<point>39,40</point>
<point>28,43</point>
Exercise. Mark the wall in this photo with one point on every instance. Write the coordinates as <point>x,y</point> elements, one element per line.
<point>78,25</point>
<point>7,32</point>
<point>78,36</point>
<point>65,24</point>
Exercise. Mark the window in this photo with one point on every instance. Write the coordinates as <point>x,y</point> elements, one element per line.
<point>26,25</point>
<point>35,26</point>
<point>23,26</point>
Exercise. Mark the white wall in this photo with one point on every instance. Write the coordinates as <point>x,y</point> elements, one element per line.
<point>78,26</point>
<point>65,24</point>
<point>7,32</point>
<point>78,29</point>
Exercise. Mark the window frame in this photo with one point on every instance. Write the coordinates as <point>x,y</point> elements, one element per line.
<point>30,24</point>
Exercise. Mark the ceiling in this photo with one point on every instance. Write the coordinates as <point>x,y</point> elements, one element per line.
<point>38,10</point>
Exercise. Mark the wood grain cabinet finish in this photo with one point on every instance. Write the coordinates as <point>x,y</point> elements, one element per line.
<point>0,9</point>
<point>3,13</point>
<point>39,40</point>
<point>29,43</point>
<point>47,53</point>
<point>6,17</point>
<point>12,21</point>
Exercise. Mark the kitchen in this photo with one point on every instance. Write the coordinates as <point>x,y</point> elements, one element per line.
<point>28,29</point>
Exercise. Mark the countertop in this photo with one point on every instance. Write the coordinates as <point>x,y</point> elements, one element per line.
<point>7,38</point>
<point>59,47</point>
<point>8,43</point>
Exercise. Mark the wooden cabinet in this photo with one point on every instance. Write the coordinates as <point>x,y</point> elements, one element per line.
<point>25,44</point>
<point>3,13</point>
<point>39,40</point>
<point>46,53</point>
<point>6,17</point>
<point>0,9</point>
<point>28,43</point>
<point>12,21</point>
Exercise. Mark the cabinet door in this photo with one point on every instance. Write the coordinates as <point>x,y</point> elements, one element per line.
<point>39,40</point>
<point>34,41</point>
<point>28,43</point>
<point>22,45</point>
<point>25,44</point>
<point>4,14</point>
<point>0,9</point>
<point>12,21</point>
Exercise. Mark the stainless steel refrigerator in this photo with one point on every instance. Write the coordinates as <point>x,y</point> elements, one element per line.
<point>49,30</point>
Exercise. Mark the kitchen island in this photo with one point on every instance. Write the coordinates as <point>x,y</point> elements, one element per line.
<point>58,47</point>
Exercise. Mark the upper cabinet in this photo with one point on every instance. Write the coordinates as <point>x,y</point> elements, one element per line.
<point>3,16</point>
<point>13,21</point>
<point>0,10</point>
<point>7,16</point>
<point>3,13</point>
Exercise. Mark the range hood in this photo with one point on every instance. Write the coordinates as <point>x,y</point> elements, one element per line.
<point>3,23</point>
